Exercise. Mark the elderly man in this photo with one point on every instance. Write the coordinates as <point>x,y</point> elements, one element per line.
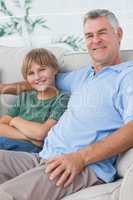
<point>82,148</point>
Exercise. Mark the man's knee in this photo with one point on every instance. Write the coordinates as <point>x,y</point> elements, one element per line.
<point>5,196</point>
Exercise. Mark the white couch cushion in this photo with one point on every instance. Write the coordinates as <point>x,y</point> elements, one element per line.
<point>108,191</point>
<point>124,162</point>
<point>11,60</point>
<point>74,60</point>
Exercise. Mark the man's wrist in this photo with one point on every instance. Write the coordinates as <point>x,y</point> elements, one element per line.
<point>14,88</point>
<point>82,155</point>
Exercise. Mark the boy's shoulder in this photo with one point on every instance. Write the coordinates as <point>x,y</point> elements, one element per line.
<point>27,95</point>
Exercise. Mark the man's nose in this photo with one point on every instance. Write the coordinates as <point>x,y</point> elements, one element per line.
<point>96,38</point>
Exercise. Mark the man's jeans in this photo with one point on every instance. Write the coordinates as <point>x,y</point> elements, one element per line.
<point>18,145</point>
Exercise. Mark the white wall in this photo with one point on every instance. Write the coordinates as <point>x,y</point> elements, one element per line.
<point>64,18</point>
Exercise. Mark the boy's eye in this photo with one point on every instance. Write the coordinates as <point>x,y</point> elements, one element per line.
<point>42,69</point>
<point>30,73</point>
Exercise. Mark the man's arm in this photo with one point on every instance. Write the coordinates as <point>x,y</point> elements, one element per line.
<point>69,165</point>
<point>34,130</point>
<point>14,88</point>
<point>116,143</point>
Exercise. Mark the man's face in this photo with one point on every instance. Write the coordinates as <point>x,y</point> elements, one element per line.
<point>102,41</point>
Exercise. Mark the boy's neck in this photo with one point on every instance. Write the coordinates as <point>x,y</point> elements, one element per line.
<point>48,94</point>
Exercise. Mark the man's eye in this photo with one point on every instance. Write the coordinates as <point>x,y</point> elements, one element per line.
<point>89,36</point>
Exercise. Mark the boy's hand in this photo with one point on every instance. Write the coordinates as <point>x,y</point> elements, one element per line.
<point>5,119</point>
<point>13,121</point>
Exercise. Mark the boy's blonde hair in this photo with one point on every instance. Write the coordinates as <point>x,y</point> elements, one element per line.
<point>40,56</point>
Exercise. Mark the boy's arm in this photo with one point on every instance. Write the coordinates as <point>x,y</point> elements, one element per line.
<point>15,134</point>
<point>5,119</point>
<point>11,132</point>
<point>14,88</point>
<point>39,131</point>
<point>34,130</point>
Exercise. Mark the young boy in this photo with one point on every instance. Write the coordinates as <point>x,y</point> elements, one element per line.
<point>35,112</point>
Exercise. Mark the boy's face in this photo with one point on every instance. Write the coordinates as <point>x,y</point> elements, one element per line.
<point>41,77</point>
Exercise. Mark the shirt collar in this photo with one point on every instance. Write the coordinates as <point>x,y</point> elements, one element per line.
<point>118,68</point>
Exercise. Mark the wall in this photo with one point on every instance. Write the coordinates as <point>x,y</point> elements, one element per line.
<point>43,22</point>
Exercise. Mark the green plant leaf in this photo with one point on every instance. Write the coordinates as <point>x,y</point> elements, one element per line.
<point>17,3</point>
<point>75,42</point>
<point>4,9</point>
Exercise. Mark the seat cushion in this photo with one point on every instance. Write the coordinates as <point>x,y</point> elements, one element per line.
<point>108,191</point>
<point>124,162</point>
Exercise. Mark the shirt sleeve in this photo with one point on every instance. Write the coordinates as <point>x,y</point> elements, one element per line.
<point>126,97</point>
<point>69,81</point>
<point>14,110</point>
<point>64,81</point>
<point>59,106</point>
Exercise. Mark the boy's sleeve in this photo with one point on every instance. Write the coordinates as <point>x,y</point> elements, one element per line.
<point>59,106</point>
<point>14,110</point>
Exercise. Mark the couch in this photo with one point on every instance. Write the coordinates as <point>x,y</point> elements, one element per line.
<point>10,62</point>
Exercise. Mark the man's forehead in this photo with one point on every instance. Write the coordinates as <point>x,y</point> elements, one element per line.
<point>96,25</point>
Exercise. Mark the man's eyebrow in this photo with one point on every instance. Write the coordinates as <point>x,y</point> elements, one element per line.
<point>100,30</point>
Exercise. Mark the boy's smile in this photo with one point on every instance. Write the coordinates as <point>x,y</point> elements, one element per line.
<point>41,77</point>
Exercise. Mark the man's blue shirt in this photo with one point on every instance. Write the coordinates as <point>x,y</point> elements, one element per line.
<point>99,105</point>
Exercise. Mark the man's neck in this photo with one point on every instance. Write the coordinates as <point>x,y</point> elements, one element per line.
<point>98,66</point>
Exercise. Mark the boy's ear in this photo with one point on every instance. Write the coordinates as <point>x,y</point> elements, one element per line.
<point>56,71</point>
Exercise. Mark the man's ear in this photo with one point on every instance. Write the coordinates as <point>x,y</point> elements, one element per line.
<point>119,34</point>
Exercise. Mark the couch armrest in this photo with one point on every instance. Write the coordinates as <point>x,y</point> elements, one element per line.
<point>6,102</point>
<point>124,162</point>
<point>126,189</point>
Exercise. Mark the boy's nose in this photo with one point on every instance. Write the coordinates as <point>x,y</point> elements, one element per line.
<point>37,76</point>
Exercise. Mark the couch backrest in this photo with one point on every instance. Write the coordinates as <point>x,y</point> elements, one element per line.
<point>11,61</point>
<point>74,60</point>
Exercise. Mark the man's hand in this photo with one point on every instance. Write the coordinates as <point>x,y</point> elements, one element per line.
<point>64,168</point>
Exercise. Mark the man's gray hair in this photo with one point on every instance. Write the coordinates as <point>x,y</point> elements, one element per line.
<point>93,14</point>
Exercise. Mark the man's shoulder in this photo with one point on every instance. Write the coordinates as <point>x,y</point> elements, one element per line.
<point>79,70</point>
<point>125,75</point>
<point>126,68</point>
<point>123,66</point>
<point>63,95</point>
<point>83,69</point>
